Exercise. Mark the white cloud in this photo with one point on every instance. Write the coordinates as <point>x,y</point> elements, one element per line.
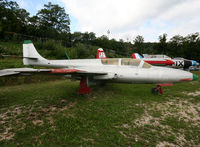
<point>123,18</point>
<point>22,3</point>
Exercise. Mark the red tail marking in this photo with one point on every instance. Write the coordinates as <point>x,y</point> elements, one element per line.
<point>133,55</point>
<point>101,54</point>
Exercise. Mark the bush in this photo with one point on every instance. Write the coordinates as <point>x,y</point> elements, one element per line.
<point>51,48</point>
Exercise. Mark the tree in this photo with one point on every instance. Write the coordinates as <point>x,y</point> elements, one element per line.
<point>139,44</point>
<point>191,46</point>
<point>53,17</point>
<point>13,18</point>
<point>175,46</point>
<point>186,47</point>
<point>163,43</point>
<point>161,46</point>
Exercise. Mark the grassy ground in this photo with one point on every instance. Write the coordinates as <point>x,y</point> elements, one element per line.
<point>52,114</point>
<point>10,63</point>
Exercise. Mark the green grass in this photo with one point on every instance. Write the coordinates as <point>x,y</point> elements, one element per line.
<point>11,63</point>
<point>11,48</point>
<point>53,114</point>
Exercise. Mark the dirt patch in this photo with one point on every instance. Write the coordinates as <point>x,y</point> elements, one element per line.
<point>38,122</point>
<point>71,104</point>
<point>164,144</point>
<point>196,93</point>
<point>123,134</point>
<point>7,134</point>
<point>144,120</point>
<point>89,140</point>
<point>178,108</point>
<point>156,113</point>
<point>16,117</point>
<point>126,125</point>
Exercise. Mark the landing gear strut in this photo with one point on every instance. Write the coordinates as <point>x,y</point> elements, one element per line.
<point>158,88</point>
<point>84,89</point>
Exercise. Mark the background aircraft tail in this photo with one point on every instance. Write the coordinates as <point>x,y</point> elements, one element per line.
<point>136,56</point>
<point>30,54</point>
<point>101,54</point>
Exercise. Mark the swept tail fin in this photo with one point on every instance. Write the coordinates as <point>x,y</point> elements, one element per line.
<point>30,54</point>
<point>136,56</point>
<point>101,54</point>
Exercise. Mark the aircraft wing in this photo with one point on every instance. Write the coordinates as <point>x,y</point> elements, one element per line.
<point>15,71</point>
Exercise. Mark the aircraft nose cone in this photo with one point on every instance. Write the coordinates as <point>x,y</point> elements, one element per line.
<point>195,77</point>
<point>194,63</point>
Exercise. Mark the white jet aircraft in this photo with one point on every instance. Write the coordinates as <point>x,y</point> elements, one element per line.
<point>122,70</point>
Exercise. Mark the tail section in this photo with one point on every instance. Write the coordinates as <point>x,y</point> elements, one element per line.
<point>30,54</point>
<point>136,56</point>
<point>101,54</point>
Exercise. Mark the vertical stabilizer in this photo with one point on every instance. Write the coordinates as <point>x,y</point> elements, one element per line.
<point>30,54</point>
<point>101,54</point>
<point>136,56</point>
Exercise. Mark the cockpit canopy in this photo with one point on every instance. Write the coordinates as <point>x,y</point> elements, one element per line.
<point>125,62</point>
<point>158,56</point>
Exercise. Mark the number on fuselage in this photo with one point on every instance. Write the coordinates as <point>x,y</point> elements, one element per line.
<point>179,63</point>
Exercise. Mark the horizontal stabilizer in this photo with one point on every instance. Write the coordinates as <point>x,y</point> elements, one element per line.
<point>33,58</point>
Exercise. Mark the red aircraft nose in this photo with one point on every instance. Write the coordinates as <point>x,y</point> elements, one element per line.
<point>169,62</point>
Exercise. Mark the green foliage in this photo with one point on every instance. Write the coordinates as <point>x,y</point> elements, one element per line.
<point>10,63</point>
<point>161,47</point>
<point>10,48</point>
<point>12,18</point>
<point>51,21</point>
<point>82,51</point>
<point>54,17</point>
<point>139,44</point>
<point>51,48</point>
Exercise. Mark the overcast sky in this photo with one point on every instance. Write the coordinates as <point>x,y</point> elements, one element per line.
<point>126,19</point>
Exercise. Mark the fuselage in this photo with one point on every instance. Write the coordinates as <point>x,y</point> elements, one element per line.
<point>120,70</point>
<point>177,62</point>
